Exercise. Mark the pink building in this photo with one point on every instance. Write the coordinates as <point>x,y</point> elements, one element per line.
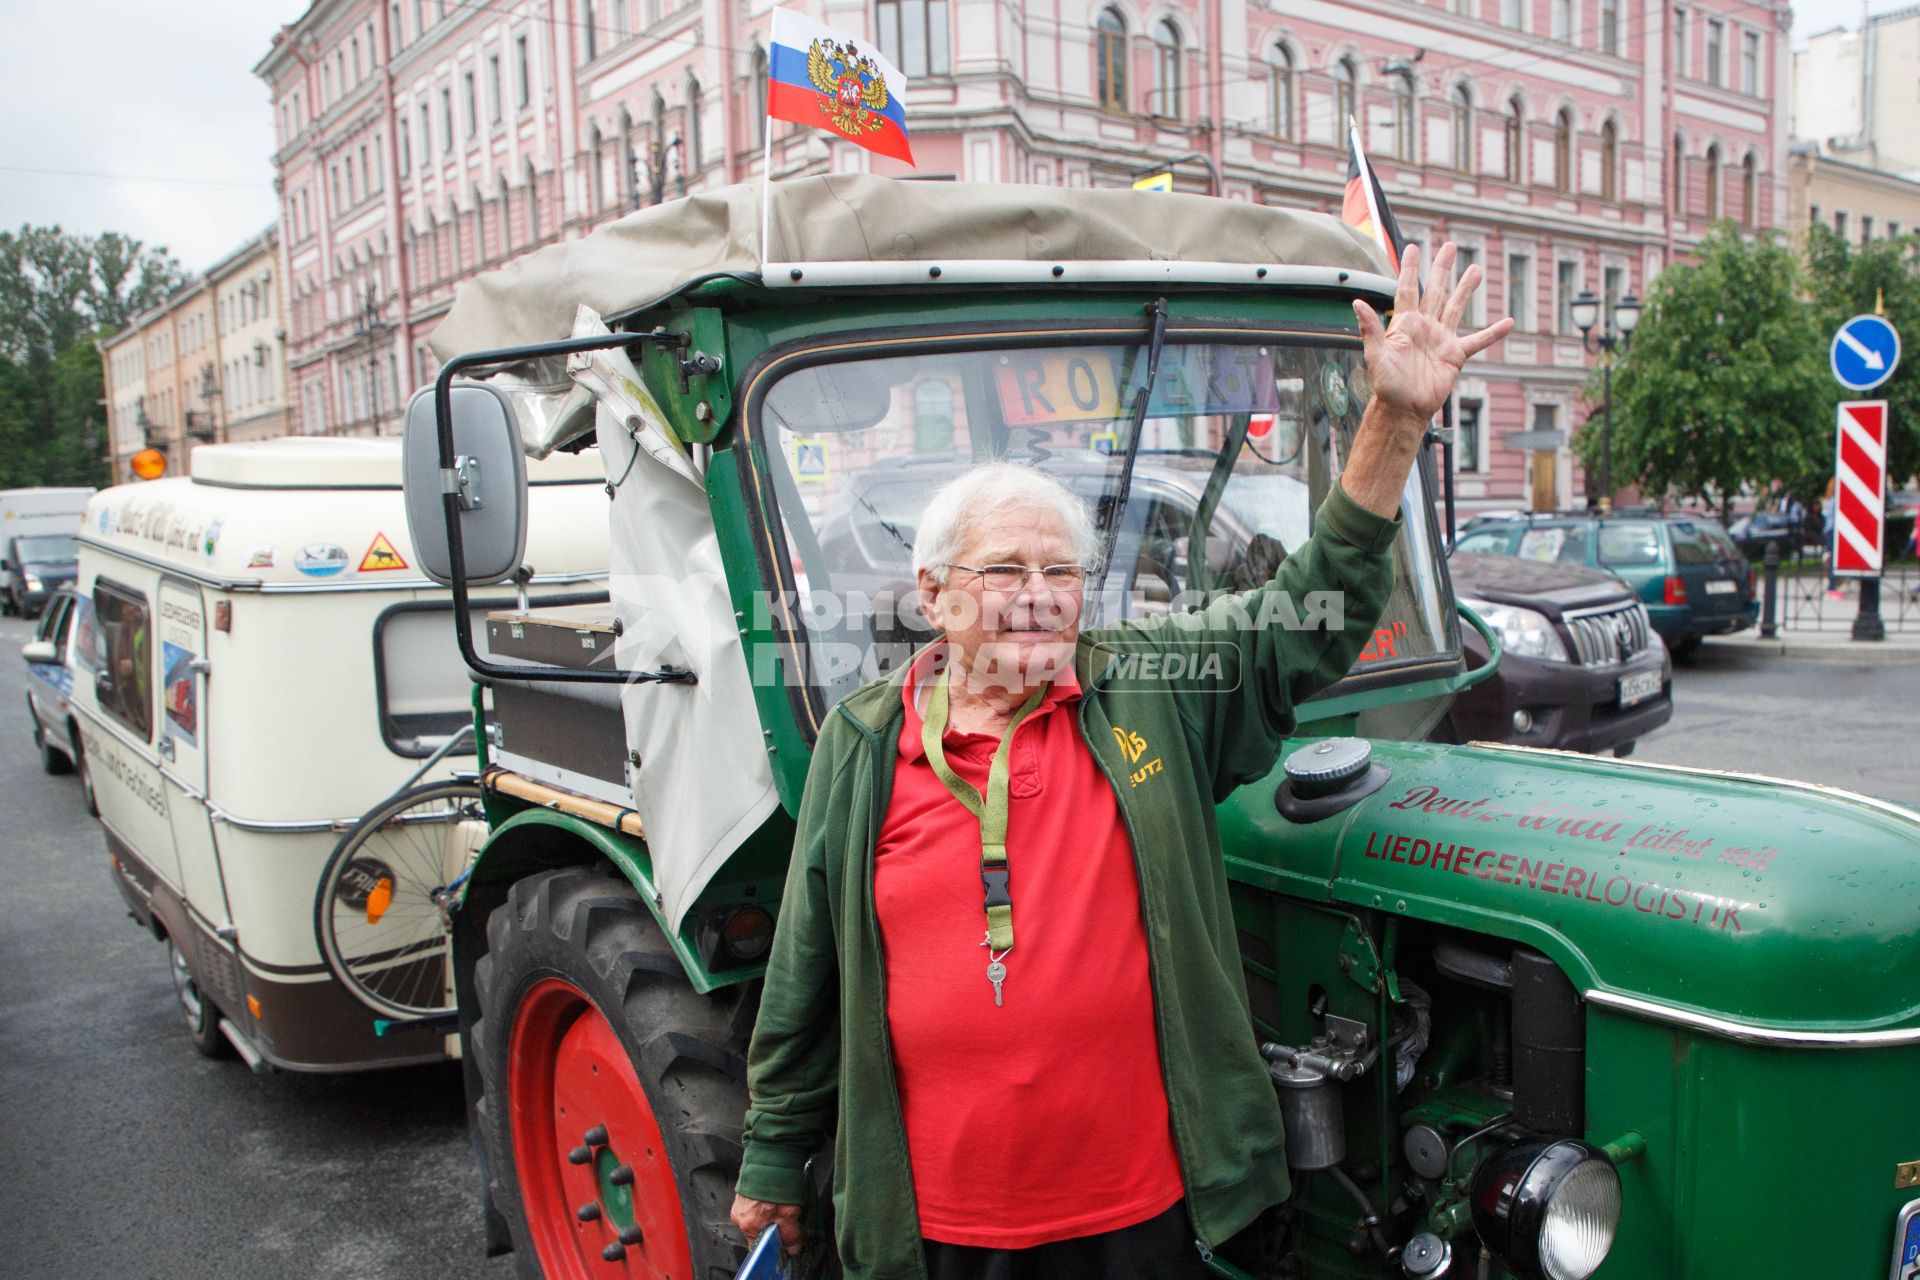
<point>1564,144</point>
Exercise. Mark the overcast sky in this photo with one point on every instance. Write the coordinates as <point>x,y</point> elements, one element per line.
<point>145,117</point>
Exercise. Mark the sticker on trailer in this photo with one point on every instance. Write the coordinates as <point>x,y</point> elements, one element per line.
<point>260,557</point>
<point>381,556</point>
<point>320,559</point>
<point>1860,488</point>
<point>213,534</point>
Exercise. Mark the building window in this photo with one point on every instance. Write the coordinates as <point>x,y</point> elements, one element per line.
<point>1562,19</point>
<point>533,198</point>
<point>913,35</point>
<point>1750,190</point>
<point>1468,257</point>
<point>1866,229</point>
<point>523,72</point>
<point>1463,129</point>
<point>694,150</point>
<point>1563,151</point>
<point>1813,215</point>
<point>590,35</point>
<point>1167,57</point>
<point>1840,223</point>
<point>426,136</point>
<point>1466,436</point>
<point>1678,179</point>
<point>1404,140</point>
<point>1680,41</point>
<point>1566,276</point>
<point>1609,161</point>
<point>1713,183</point>
<point>1280,58</point>
<point>1610,26</point>
<point>1716,45</point>
<point>1345,97</point>
<point>1519,280</point>
<point>1111,40</point>
<point>493,88</point>
<point>1750,62</point>
<point>446,120</point>
<point>1512,14</point>
<point>472,105</point>
<point>1516,141</point>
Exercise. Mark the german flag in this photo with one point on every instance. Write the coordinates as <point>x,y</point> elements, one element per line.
<point>1365,206</point>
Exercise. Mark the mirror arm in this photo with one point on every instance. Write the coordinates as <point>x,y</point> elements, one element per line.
<point>453,493</point>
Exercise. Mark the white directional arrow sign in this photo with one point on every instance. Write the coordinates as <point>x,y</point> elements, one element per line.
<point>1868,356</point>
<point>1865,351</point>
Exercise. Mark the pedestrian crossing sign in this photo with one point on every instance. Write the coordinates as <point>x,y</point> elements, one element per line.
<point>1154,182</point>
<point>810,460</point>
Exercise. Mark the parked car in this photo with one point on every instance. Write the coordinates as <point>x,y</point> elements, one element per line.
<point>36,565</point>
<point>1753,534</point>
<point>1583,669</point>
<point>66,624</point>
<point>1684,567</point>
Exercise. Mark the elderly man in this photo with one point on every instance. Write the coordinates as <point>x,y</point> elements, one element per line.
<point>1054,1076</point>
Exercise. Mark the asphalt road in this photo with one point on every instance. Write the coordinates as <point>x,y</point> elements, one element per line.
<point>127,1155</point>
<point>123,1153</point>
<point>1843,724</point>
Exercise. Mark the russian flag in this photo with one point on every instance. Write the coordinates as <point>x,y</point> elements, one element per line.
<point>1365,206</point>
<point>816,76</point>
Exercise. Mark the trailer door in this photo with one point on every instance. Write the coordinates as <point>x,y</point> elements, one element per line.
<point>181,658</point>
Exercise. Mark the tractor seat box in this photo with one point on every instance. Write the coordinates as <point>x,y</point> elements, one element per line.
<point>567,735</point>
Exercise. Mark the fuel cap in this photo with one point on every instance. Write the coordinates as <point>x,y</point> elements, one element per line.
<point>1425,1257</point>
<point>1322,768</point>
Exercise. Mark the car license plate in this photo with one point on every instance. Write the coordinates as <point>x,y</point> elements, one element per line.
<point>1906,1243</point>
<point>1721,587</point>
<point>1638,687</point>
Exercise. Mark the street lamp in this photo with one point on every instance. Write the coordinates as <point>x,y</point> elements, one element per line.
<point>1623,317</point>
<point>371,327</point>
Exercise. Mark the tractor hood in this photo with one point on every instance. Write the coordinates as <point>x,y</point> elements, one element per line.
<point>1777,905</point>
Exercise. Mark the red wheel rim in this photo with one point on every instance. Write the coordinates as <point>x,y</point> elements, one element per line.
<point>567,1077</point>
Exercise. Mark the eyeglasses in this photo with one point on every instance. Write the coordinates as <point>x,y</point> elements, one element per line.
<point>1060,578</point>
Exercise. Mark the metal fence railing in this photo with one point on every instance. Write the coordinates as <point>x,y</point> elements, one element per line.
<point>1807,603</point>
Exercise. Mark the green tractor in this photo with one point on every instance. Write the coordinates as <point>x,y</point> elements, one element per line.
<point>1529,1014</point>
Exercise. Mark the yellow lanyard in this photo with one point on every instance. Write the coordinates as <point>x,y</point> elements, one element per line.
<point>990,811</point>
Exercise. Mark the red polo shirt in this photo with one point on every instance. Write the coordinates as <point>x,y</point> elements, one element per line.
<point>1045,1118</point>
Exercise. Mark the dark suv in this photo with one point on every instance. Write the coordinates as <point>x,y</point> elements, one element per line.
<point>1583,669</point>
<point>1683,567</point>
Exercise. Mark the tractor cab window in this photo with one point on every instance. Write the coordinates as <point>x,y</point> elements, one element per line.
<point>1240,444</point>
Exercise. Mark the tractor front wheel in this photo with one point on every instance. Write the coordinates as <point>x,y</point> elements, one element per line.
<point>612,1094</point>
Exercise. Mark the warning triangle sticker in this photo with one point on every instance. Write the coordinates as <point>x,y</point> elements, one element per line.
<point>381,556</point>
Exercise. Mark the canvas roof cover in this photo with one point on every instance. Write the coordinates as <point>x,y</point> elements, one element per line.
<point>654,253</point>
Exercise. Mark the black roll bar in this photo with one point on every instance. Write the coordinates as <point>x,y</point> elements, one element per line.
<point>450,508</point>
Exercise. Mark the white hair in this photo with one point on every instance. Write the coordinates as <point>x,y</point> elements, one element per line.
<point>994,489</point>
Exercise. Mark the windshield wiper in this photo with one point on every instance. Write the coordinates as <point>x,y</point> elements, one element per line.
<point>1118,506</point>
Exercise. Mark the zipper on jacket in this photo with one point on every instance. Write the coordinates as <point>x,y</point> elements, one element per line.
<point>1153,979</point>
<point>874,819</point>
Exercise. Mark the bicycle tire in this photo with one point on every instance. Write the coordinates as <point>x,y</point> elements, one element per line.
<point>382,934</point>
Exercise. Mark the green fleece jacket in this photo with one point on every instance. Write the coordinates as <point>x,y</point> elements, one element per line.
<point>822,1044</point>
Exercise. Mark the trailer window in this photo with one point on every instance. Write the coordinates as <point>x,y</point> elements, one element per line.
<point>426,695</point>
<point>125,681</point>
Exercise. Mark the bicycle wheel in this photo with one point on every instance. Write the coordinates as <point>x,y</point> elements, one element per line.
<point>386,898</point>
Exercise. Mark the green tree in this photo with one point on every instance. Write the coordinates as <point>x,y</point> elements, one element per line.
<point>1848,280</point>
<point>1721,387</point>
<point>60,293</point>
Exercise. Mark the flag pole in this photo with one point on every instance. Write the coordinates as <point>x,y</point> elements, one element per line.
<point>766,193</point>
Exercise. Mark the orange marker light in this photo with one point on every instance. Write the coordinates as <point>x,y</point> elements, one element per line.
<point>380,899</point>
<point>149,464</point>
<point>253,1007</point>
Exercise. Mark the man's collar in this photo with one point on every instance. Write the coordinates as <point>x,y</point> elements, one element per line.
<point>1064,688</point>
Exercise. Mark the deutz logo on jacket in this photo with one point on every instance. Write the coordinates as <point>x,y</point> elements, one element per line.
<point>1133,746</point>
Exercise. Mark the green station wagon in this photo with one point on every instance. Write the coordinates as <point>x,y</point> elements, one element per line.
<point>1693,580</point>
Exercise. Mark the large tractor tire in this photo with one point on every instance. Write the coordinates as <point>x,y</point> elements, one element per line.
<point>612,1095</point>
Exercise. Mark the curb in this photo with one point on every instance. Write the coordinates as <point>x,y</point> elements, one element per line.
<point>1862,653</point>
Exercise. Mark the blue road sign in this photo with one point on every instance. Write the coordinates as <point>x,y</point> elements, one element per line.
<point>1865,350</point>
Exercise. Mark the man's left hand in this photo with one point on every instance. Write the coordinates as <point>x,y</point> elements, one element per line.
<point>1414,361</point>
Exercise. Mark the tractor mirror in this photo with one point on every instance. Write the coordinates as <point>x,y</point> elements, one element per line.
<point>486,479</point>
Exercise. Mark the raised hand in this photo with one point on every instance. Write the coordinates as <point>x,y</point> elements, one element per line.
<point>1414,361</point>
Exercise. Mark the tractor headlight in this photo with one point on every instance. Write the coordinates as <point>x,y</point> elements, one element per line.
<point>1522,631</point>
<point>1548,1210</point>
